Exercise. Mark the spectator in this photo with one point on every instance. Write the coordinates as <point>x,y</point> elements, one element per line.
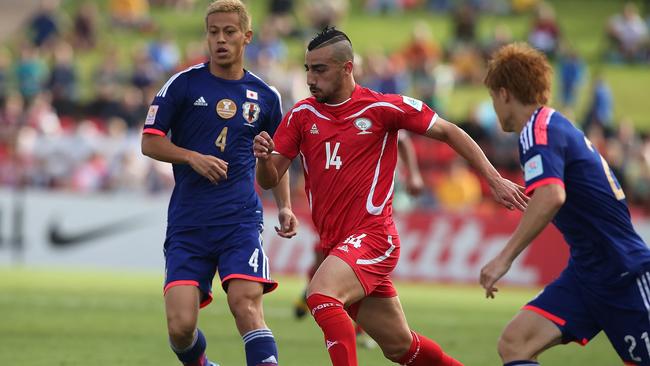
<point>266,44</point>
<point>31,72</point>
<point>465,19</point>
<point>164,52</point>
<point>63,80</point>
<point>383,6</point>
<point>571,69</point>
<point>501,36</point>
<point>325,13</point>
<point>146,73</point>
<point>131,14</point>
<point>628,34</point>
<point>600,111</point>
<point>84,29</point>
<point>43,27</point>
<point>460,189</point>
<point>194,54</point>
<point>5,64</point>
<point>280,17</point>
<point>545,32</point>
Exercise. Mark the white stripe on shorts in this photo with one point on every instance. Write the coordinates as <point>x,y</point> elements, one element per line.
<point>379,259</point>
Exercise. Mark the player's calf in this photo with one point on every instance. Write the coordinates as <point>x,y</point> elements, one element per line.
<point>425,352</point>
<point>337,328</point>
<point>245,302</point>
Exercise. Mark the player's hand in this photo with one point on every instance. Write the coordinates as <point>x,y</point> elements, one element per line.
<point>414,185</point>
<point>263,146</point>
<point>211,167</point>
<point>491,273</point>
<point>288,223</point>
<point>509,194</point>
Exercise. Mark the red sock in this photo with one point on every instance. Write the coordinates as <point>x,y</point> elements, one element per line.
<point>337,328</point>
<point>425,352</point>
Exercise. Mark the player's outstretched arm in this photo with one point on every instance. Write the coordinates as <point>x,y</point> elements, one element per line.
<point>162,149</point>
<point>543,206</point>
<point>505,192</point>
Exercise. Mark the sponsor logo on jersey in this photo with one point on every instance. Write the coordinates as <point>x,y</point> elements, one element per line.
<point>226,108</point>
<point>201,102</point>
<point>251,94</point>
<point>251,112</point>
<point>533,168</point>
<point>151,115</point>
<point>344,248</point>
<point>417,104</point>
<point>314,129</point>
<point>363,124</point>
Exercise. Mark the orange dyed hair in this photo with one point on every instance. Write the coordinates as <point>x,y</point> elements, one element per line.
<point>523,71</point>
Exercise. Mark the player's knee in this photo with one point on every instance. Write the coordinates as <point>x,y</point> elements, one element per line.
<point>396,349</point>
<point>511,345</point>
<point>181,329</point>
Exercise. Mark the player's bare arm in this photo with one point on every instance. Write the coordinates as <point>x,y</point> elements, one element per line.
<point>162,149</point>
<point>505,192</point>
<point>270,167</point>
<point>543,206</point>
<point>288,221</point>
<point>414,181</point>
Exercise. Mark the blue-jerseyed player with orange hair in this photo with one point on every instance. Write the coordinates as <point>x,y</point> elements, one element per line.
<point>212,112</point>
<point>606,285</point>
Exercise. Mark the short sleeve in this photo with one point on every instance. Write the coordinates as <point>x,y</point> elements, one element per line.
<point>275,115</point>
<point>288,136</point>
<point>543,163</point>
<point>416,116</point>
<point>165,105</point>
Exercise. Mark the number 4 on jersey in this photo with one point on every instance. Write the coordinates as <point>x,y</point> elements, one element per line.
<point>331,157</point>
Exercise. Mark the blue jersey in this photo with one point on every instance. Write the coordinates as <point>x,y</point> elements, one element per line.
<point>218,117</point>
<point>595,220</point>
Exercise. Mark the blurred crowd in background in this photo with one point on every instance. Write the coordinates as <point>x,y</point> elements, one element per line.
<point>52,136</point>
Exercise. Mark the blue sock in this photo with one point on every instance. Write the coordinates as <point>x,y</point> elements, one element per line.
<point>194,355</point>
<point>522,363</point>
<point>260,348</point>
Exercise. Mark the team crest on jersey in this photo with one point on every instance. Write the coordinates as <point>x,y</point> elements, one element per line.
<point>363,124</point>
<point>226,108</point>
<point>251,112</point>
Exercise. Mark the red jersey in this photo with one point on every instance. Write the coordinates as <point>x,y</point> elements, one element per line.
<point>349,154</point>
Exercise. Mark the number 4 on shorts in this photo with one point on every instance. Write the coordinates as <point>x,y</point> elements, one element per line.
<point>253,259</point>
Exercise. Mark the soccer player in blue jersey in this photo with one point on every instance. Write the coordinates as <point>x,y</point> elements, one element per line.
<point>211,113</point>
<point>606,285</point>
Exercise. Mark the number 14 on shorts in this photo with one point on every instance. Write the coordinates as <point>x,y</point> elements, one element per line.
<point>355,240</point>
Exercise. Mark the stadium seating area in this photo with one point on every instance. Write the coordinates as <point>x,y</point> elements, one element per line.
<point>72,100</point>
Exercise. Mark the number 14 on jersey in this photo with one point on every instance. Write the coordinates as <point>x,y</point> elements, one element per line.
<point>331,156</point>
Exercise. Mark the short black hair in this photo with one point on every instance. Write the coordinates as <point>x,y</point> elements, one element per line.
<point>326,37</point>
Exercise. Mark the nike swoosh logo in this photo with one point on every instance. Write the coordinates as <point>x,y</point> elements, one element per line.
<point>64,239</point>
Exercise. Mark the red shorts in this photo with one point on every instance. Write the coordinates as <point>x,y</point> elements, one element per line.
<point>373,258</point>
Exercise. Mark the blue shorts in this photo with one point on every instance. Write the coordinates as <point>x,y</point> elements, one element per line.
<point>581,311</point>
<point>193,255</point>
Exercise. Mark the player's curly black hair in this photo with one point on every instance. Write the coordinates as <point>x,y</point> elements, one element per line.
<point>326,37</point>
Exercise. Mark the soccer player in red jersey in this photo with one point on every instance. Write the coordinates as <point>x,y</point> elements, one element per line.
<point>347,138</point>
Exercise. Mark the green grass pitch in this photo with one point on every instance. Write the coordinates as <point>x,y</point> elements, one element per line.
<point>59,318</point>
